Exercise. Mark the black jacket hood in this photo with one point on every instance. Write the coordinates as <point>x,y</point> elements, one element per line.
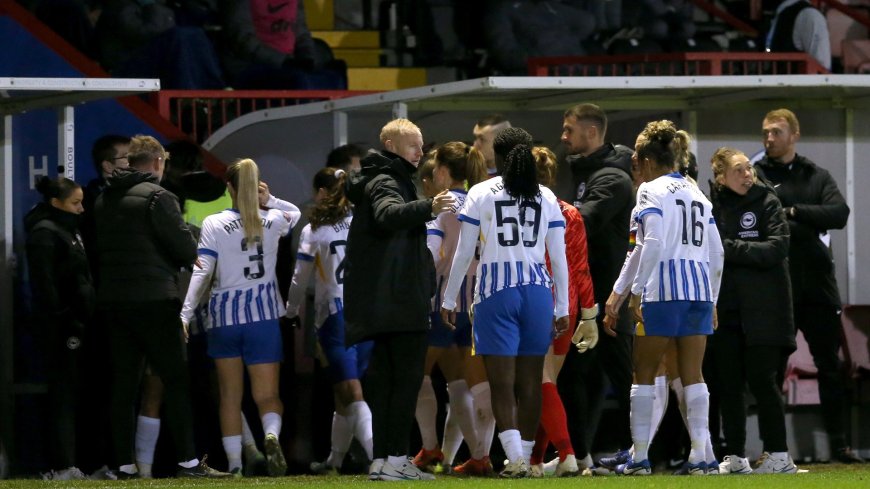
<point>374,164</point>
<point>128,177</point>
<point>42,211</point>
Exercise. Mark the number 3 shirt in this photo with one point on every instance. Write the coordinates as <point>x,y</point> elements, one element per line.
<point>241,275</point>
<point>514,238</point>
<point>681,253</point>
<point>320,250</point>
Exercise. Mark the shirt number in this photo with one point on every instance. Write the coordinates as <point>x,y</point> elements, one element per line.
<point>257,258</point>
<point>525,225</point>
<point>691,214</point>
<point>334,250</point>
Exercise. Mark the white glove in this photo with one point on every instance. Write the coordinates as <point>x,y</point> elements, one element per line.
<point>586,335</point>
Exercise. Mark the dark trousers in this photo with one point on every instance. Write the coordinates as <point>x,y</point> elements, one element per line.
<point>149,331</point>
<point>391,385</point>
<point>822,330</point>
<point>737,364</point>
<point>63,395</point>
<point>582,388</point>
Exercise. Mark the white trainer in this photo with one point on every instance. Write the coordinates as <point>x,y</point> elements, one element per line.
<point>732,464</point>
<point>549,467</point>
<point>775,464</point>
<point>518,469</point>
<point>375,469</point>
<point>568,467</point>
<point>68,474</point>
<point>406,471</point>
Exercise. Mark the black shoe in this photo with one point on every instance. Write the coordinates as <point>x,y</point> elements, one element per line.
<point>120,475</point>
<point>845,455</point>
<point>201,471</point>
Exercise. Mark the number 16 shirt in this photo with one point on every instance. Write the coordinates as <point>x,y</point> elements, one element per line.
<point>513,242</point>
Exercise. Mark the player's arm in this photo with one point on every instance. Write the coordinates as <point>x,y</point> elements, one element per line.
<point>717,258</point>
<point>468,234</point>
<point>434,238</point>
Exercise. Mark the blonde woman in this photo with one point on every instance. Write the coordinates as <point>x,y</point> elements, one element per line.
<point>237,252</point>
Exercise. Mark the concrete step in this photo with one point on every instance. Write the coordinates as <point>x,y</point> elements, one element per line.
<point>384,79</point>
<point>320,14</point>
<point>349,39</point>
<point>359,58</point>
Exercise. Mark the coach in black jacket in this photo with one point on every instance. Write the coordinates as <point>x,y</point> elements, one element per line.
<point>142,243</point>
<point>756,327</point>
<point>813,205</point>
<point>604,195</point>
<point>389,282</point>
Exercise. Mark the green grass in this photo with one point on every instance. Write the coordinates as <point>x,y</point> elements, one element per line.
<point>830,476</point>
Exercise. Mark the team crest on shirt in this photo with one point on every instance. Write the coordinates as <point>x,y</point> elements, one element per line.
<point>73,343</point>
<point>748,222</point>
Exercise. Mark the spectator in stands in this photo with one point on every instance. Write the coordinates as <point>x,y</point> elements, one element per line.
<point>269,46</point>
<point>345,157</point>
<point>518,30</point>
<point>388,284</point>
<point>664,21</point>
<point>484,135</point>
<point>63,302</point>
<point>73,20</point>
<point>756,331</point>
<point>604,196</point>
<point>813,205</point>
<point>142,242</point>
<point>140,39</point>
<point>800,27</point>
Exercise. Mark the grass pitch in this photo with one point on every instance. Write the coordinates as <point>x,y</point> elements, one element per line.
<point>828,476</point>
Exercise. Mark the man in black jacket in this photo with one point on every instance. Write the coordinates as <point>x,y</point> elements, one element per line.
<point>813,205</point>
<point>142,243</point>
<point>389,282</point>
<point>604,195</point>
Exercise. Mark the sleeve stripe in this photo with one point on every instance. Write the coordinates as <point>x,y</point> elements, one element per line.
<point>435,232</point>
<point>304,256</point>
<point>556,224</point>
<point>206,251</point>
<point>649,210</point>
<point>470,220</point>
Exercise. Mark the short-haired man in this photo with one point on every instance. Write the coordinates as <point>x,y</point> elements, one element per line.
<point>813,204</point>
<point>389,282</point>
<point>485,132</point>
<point>603,193</point>
<point>345,157</point>
<point>142,242</point>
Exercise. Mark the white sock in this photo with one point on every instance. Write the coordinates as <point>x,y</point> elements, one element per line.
<point>660,405</point>
<point>484,421</point>
<point>233,449</point>
<point>427,410</point>
<point>452,437</point>
<point>462,416</point>
<point>698,410</point>
<point>362,425</point>
<point>512,444</point>
<point>527,446</point>
<point>342,436</point>
<point>128,469</point>
<point>190,463</point>
<point>147,431</point>
<point>272,424</point>
<point>677,387</point>
<point>248,442</point>
<point>641,417</point>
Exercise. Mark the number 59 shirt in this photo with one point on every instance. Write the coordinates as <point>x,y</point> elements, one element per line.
<point>514,239</point>
<point>241,275</point>
<point>320,250</point>
<point>681,255</point>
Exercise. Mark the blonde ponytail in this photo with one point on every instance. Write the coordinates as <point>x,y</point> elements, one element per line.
<point>244,176</point>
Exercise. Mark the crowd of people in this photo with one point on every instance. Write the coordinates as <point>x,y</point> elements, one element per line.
<point>490,277</point>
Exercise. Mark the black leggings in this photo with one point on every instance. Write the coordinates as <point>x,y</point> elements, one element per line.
<point>152,331</point>
<point>737,364</point>
<point>391,385</point>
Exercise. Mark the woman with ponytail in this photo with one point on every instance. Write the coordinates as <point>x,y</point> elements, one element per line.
<point>674,273</point>
<point>237,253</point>
<point>322,247</point>
<point>517,222</point>
<point>63,301</point>
<point>457,167</point>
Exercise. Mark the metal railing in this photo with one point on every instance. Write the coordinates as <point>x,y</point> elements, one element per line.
<point>677,64</point>
<point>200,113</point>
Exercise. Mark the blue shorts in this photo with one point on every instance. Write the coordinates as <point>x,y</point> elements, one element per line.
<point>677,318</point>
<point>344,363</point>
<point>442,337</point>
<point>258,342</point>
<point>514,321</point>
